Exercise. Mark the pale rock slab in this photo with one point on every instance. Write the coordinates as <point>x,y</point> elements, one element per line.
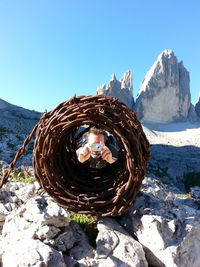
<point>113,242</point>
<point>39,219</point>
<point>80,252</point>
<point>115,247</point>
<point>167,225</point>
<point>46,211</point>
<point>29,252</point>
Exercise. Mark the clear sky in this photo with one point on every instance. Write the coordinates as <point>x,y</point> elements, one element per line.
<point>50,50</point>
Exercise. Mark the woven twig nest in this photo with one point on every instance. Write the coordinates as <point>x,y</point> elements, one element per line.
<point>109,191</point>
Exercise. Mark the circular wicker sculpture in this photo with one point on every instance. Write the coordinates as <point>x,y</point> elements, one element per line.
<point>109,191</point>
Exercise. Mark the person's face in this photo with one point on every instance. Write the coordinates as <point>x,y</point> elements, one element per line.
<point>96,139</point>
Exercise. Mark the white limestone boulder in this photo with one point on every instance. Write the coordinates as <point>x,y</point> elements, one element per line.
<point>167,224</point>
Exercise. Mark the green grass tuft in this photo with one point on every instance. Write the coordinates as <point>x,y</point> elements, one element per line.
<point>182,196</point>
<point>88,224</point>
<point>24,177</point>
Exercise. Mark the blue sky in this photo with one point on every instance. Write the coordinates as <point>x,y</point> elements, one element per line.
<point>50,50</point>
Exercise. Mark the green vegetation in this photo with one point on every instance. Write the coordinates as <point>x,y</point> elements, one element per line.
<point>162,181</point>
<point>19,137</point>
<point>183,196</point>
<point>191,179</point>
<point>20,176</point>
<point>89,225</point>
<point>12,155</point>
<point>11,146</point>
<point>4,131</point>
<point>158,171</point>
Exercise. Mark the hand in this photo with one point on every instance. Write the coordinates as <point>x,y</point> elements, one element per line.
<point>107,155</point>
<point>84,153</point>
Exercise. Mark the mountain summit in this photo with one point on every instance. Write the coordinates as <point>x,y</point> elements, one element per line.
<point>122,89</point>
<point>164,95</point>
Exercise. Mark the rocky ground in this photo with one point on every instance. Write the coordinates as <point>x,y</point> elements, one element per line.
<point>161,229</point>
<point>174,134</point>
<point>175,153</point>
<point>16,123</point>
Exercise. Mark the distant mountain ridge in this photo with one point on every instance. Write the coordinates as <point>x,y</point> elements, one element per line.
<point>10,109</point>
<point>17,119</point>
<point>15,124</point>
<point>164,95</point>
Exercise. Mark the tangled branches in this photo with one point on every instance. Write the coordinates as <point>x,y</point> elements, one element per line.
<point>109,191</point>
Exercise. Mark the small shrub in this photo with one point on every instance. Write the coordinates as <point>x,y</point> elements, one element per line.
<point>24,177</point>
<point>190,180</point>
<point>183,196</point>
<point>11,146</point>
<point>19,137</point>
<point>160,172</point>
<point>4,130</point>
<point>12,155</point>
<point>89,225</point>
<point>164,181</point>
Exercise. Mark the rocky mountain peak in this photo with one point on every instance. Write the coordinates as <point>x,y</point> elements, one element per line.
<point>167,53</point>
<point>122,89</point>
<point>4,104</point>
<point>127,81</point>
<point>113,84</point>
<point>197,106</point>
<point>113,77</point>
<point>101,89</point>
<point>164,95</point>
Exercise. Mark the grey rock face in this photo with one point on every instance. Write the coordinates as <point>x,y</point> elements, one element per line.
<point>164,95</point>
<point>123,89</point>
<point>38,232</point>
<point>195,191</point>
<point>172,164</point>
<point>39,223</point>
<point>29,252</point>
<point>116,247</point>
<point>16,118</point>
<point>197,107</point>
<point>24,230</point>
<point>168,224</point>
<point>15,124</point>
<point>192,115</point>
<point>13,110</point>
